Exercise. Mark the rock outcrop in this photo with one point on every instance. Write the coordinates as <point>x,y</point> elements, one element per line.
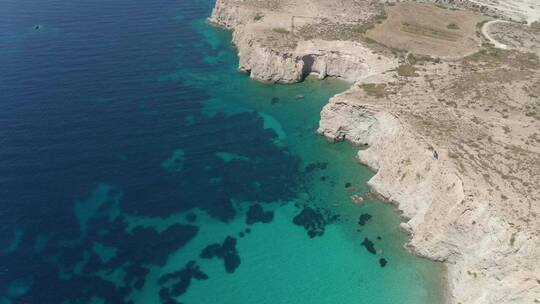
<point>455,212</point>
<point>270,51</point>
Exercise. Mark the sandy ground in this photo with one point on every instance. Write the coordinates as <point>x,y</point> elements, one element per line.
<point>429,30</point>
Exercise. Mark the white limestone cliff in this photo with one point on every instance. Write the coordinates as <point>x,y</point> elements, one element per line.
<point>276,55</point>
<point>488,259</point>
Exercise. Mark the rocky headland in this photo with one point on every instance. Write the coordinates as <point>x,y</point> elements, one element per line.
<point>445,104</point>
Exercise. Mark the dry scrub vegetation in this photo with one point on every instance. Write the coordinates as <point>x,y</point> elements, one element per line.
<point>429,30</point>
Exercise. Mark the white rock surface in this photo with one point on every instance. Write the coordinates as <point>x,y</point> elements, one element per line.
<point>487,259</point>
<point>271,56</point>
<point>518,10</point>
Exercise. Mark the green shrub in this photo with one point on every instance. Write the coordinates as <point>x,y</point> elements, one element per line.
<point>373,89</point>
<point>407,70</point>
<point>280,30</point>
<point>258,17</point>
<point>452,26</point>
<point>370,40</point>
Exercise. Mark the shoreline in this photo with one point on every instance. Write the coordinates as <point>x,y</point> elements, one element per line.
<point>443,269</point>
<point>445,287</point>
<point>444,205</point>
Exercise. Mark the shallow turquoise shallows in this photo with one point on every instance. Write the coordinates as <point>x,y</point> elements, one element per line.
<point>280,263</point>
<point>139,166</point>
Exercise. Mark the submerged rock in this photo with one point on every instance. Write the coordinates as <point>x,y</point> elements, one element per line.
<point>232,261</point>
<point>225,251</point>
<point>314,220</point>
<point>191,217</point>
<point>364,218</point>
<point>311,220</point>
<point>370,247</point>
<point>181,280</point>
<point>256,214</point>
<point>318,165</point>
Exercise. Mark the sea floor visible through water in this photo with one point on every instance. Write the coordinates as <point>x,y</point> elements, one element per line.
<point>169,177</point>
<point>282,264</point>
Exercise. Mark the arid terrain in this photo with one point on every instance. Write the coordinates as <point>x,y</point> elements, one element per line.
<point>440,32</point>
<point>445,95</point>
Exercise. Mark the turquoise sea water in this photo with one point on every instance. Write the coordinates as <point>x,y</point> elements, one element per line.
<point>138,166</point>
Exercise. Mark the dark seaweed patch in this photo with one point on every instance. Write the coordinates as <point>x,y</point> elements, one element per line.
<point>211,251</point>
<point>318,165</point>
<point>276,171</point>
<point>314,220</point>
<point>370,247</point>
<point>180,281</point>
<point>135,275</point>
<point>256,214</point>
<point>232,261</point>
<point>48,287</point>
<point>348,185</point>
<point>222,209</point>
<point>226,251</point>
<point>165,296</point>
<point>143,246</point>
<point>383,262</point>
<point>191,217</point>
<point>274,100</point>
<point>133,251</point>
<point>364,218</point>
<point>155,248</point>
<point>123,142</point>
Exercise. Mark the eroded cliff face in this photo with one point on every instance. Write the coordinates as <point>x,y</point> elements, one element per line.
<point>230,16</point>
<point>453,214</point>
<point>455,145</point>
<point>265,63</point>
<point>409,170</point>
<point>270,51</point>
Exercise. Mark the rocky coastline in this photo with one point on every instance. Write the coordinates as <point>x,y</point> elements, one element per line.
<point>454,143</point>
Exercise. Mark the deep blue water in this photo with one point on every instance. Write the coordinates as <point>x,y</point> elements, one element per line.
<point>81,104</point>
<point>95,132</point>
